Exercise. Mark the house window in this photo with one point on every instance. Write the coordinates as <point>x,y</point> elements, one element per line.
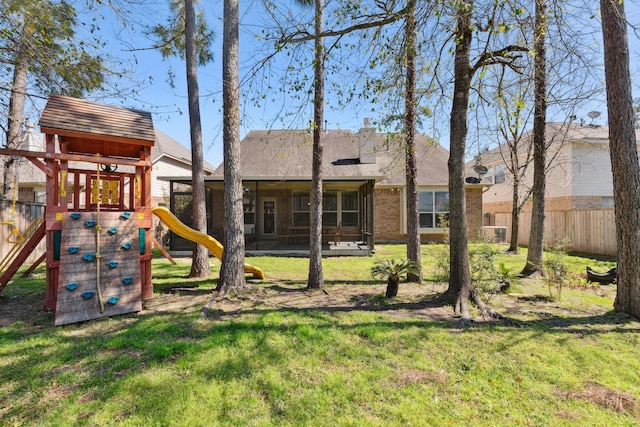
<point>248,206</point>
<point>338,208</point>
<point>499,175</point>
<point>330,208</point>
<point>434,209</point>
<point>349,208</point>
<point>301,204</point>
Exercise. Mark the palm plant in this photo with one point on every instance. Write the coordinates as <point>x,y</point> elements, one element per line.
<point>393,271</point>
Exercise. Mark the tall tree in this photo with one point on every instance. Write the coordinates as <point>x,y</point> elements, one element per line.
<point>200,266</point>
<point>536,236</point>
<point>188,36</point>
<point>516,151</point>
<point>624,155</point>
<point>411,169</point>
<point>316,278</point>
<point>38,47</point>
<point>232,277</point>
<point>461,290</point>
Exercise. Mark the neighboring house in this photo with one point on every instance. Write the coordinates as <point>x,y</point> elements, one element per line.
<point>579,188</point>
<point>364,196</point>
<point>169,157</point>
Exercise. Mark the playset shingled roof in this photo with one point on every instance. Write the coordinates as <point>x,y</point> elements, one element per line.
<point>92,128</point>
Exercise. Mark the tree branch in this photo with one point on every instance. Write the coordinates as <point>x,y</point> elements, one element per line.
<point>305,36</point>
<point>501,56</point>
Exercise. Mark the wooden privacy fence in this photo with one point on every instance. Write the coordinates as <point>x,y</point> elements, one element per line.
<point>590,231</point>
<point>25,214</point>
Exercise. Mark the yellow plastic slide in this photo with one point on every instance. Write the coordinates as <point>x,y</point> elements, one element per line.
<point>205,240</point>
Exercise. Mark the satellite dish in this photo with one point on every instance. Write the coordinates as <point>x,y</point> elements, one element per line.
<point>481,170</point>
<point>594,114</point>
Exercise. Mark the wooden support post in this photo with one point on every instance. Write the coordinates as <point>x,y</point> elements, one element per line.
<point>163,250</point>
<point>51,288</point>
<point>35,265</point>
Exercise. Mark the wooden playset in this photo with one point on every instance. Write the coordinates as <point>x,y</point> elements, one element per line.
<point>98,215</point>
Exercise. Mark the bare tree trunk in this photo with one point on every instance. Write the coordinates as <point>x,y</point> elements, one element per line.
<point>624,155</point>
<point>316,278</point>
<point>393,285</point>
<point>200,266</point>
<point>15,117</point>
<point>460,290</point>
<point>413,214</point>
<point>536,236</point>
<point>515,215</point>
<point>232,277</point>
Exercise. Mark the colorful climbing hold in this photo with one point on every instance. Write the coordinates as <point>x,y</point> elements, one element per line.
<point>71,286</point>
<point>127,280</point>
<point>126,246</point>
<point>88,257</point>
<point>74,249</point>
<point>125,215</point>
<point>112,231</point>
<point>88,294</point>
<point>75,215</point>
<point>113,264</point>
<point>112,300</point>
<point>90,223</point>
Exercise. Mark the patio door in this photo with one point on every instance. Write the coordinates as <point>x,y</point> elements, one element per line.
<point>268,213</point>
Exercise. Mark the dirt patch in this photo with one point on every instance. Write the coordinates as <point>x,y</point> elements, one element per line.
<point>414,301</point>
<point>23,309</point>
<point>279,295</point>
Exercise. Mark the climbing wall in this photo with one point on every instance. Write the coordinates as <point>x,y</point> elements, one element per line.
<point>118,262</point>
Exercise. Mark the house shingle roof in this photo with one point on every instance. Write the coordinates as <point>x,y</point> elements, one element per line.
<point>167,146</point>
<point>287,155</point>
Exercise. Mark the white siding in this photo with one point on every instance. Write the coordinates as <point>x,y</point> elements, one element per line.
<point>592,170</point>
<point>559,178</point>
<point>559,175</point>
<point>499,192</point>
<point>166,167</point>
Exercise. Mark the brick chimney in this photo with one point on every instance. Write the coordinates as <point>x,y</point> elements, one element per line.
<point>367,143</point>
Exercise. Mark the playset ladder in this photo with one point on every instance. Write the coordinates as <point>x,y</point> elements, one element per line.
<point>21,251</point>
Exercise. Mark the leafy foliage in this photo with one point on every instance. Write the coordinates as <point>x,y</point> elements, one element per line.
<point>43,34</point>
<point>555,268</point>
<point>171,35</point>
<point>391,268</point>
<point>441,253</point>
<point>484,274</point>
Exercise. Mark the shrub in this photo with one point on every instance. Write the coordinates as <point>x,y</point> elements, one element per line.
<point>484,274</point>
<point>555,269</point>
<point>393,271</point>
<point>442,264</point>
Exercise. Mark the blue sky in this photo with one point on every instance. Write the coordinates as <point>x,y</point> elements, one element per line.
<point>169,105</point>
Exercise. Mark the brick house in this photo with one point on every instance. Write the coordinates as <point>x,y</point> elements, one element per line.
<point>364,196</point>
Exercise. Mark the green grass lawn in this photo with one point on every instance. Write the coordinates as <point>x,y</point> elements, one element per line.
<point>570,362</point>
